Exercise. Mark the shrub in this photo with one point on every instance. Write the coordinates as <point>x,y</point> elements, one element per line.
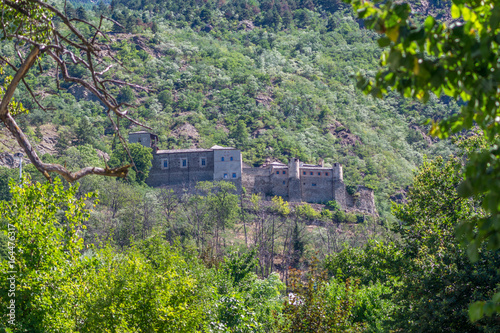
<point>333,205</point>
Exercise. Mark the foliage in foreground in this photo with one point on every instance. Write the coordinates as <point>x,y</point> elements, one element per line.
<point>453,60</point>
<point>429,280</point>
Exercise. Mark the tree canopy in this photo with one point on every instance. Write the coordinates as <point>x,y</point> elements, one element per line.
<point>40,32</point>
<point>460,60</point>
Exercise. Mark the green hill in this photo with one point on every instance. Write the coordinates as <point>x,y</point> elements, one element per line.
<point>272,79</point>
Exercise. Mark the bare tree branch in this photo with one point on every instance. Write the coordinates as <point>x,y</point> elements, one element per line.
<point>87,53</point>
<point>127,84</point>
<point>45,168</point>
<point>30,60</point>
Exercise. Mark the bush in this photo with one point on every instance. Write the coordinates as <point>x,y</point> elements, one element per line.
<point>351,189</point>
<point>306,211</point>
<point>333,205</point>
<point>351,218</point>
<point>141,157</point>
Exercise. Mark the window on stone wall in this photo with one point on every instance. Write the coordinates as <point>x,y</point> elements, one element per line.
<point>283,182</point>
<point>326,173</point>
<point>312,173</point>
<point>234,175</point>
<point>284,172</point>
<point>225,176</point>
<point>304,173</point>
<point>222,159</point>
<point>184,162</point>
<point>277,172</point>
<point>313,184</point>
<point>203,161</point>
<point>231,158</point>
<point>164,164</point>
<point>319,173</point>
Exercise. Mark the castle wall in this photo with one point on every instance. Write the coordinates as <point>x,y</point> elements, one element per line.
<point>182,169</point>
<point>177,174</point>
<point>294,190</point>
<point>340,193</point>
<point>263,185</point>
<point>365,201</point>
<point>227,164</point>
<point>316,189</point>
<point>279,182</point>
<point>248,177</point>
<point>143,138</point>
<point>316,184</point>
<point>338,172</point>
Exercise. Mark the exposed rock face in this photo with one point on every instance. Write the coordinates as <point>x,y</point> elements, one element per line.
<point>81,93</point>
<point>423,133</point>
<point>187,131</point>
<point>365,200</point>
<point>103,155</point>
<point>343,134</point>
<point>399,196</point>
<point>263,99</point>
<point>47,146</point>
<point>8,160</point>
<point>246,24</point>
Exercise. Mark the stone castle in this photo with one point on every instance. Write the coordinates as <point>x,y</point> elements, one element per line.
<point>294,182</point>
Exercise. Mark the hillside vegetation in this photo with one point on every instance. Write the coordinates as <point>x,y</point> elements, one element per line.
<point>272,79</point>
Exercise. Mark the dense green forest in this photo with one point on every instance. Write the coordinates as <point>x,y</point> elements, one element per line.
<point>273,90</point>
<point>276,80</point>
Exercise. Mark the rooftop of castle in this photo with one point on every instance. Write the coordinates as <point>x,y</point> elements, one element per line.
<point>141,132</point>
<point>279,165</point>
<point>193,150</point>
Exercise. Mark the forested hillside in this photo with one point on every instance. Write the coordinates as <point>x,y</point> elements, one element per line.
<point>275,79</point>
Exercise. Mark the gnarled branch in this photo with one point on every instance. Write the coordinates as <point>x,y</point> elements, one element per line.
<point>88,53</point>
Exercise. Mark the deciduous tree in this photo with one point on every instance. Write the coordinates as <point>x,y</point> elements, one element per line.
<point>42,32</point>
<point>459,60</point>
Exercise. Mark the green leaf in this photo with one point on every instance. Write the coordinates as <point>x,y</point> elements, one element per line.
<point>476,311</point>
<point>383,41</point>
<point>465,189</point>
<point>472,252</point>
<point>429,23</point>
<point>455,11</point>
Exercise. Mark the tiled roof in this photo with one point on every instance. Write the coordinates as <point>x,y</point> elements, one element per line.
<point>173,151</point>
<point>219,147</point>
<point>193,150</point>
<point>315,167</point>
<point>141,132</point>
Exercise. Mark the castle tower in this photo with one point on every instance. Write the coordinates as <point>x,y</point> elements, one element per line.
<point>293,168</point>
<point>146,139</point>
<point>337,172</point>
<point>294,189</point>
<point>339,190</point>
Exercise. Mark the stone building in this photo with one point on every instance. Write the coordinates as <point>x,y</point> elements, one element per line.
<point>189,166</point>
<point>299,181</point>
<point>296,181</point>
